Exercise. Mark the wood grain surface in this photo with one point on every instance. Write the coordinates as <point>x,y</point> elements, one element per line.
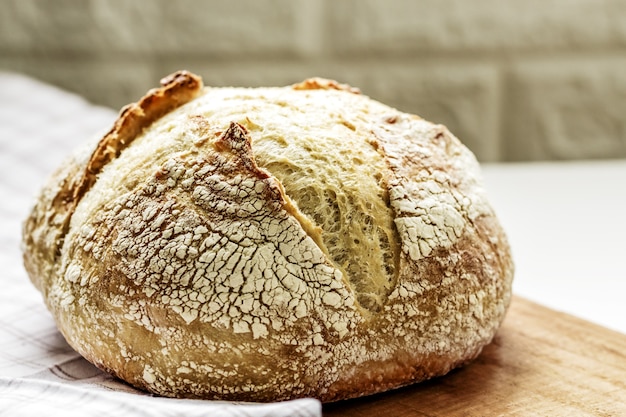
<point>541,363</point>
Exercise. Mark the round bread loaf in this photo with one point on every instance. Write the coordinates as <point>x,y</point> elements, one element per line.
<point>268,244</point>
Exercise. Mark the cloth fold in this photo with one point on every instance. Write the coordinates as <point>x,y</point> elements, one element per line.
<point>32,397</point>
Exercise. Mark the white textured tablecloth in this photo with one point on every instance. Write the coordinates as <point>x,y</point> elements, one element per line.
<point>39,373</point>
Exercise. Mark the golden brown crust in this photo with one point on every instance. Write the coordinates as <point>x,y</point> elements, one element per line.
<point>48,223</point>
<point>177,89</point>
<point>318,83</point>
<point>268,244</point>
<point>44,229</point>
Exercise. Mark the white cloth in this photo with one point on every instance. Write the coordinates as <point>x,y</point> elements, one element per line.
<point>39,373</point>
<point>36,397</point>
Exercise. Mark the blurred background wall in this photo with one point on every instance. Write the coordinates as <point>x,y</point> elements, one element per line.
<point>513,79</point>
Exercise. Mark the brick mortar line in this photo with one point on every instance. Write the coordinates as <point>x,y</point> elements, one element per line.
<point>418,61</point>
<point>500,57</point>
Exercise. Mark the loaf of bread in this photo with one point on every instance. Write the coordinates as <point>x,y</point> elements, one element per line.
<point>264,244</point>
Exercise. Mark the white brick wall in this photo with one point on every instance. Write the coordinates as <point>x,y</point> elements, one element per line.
<point>455,26</point>
<point>513,79</point>
<point>570,108</point>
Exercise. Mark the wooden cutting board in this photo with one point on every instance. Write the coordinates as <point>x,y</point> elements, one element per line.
<point>541,363</point>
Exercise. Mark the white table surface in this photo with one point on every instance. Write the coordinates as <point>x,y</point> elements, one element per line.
<point>566,223</point>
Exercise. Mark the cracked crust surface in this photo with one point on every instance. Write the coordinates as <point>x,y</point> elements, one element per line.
<point>271,243</point>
